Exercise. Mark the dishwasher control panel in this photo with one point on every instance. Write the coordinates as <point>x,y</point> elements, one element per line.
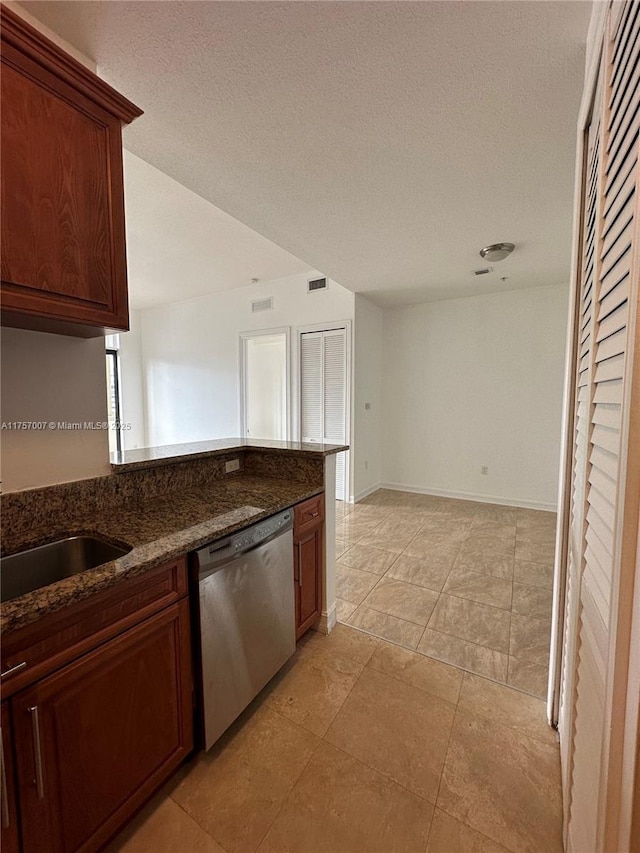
<point>259,532</point>
<point>246,540</point>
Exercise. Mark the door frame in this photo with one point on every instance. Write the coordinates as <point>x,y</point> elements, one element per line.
<point>327,326</point>
<point>243,337</point>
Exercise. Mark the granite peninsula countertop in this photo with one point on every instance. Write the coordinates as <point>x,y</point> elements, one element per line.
<point>160,529</point>
<point>151,457</point>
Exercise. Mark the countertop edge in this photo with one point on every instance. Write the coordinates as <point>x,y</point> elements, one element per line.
<point>308,451</point>
<point>142,558</point>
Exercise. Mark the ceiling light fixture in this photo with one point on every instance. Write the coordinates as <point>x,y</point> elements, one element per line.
<point>497,251</point>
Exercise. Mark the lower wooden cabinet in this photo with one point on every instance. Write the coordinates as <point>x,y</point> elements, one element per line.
<point>97,737</point>
<point>308,557</point>
<point>88,742</point>
<point>9,839</point>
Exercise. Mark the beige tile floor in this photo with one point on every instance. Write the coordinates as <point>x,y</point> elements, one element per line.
<point>467,583</point>
<point>362,746</point>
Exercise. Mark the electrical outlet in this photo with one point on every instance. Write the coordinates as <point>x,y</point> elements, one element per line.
<point>484,469</point>
<point>232,465</point>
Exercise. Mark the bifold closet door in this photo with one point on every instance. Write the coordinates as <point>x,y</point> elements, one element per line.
<point>323,394</point>
<point>608,289</point>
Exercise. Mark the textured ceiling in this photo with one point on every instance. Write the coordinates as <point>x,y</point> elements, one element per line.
<point>382,143</point>
<point>179,246</point>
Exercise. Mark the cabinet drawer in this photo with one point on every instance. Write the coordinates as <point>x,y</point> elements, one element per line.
<point>308,514</point>
<point>60,637</point>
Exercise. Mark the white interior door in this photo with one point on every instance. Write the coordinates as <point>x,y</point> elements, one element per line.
<point>324,394</point>
<point>265,369</point>
<point>599,575</point>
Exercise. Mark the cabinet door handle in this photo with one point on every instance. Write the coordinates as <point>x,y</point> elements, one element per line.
<point>3,782</point>
<point>37,751</point>
<point>314,514</point>
<point>298,575</point>
<point>13,669</point>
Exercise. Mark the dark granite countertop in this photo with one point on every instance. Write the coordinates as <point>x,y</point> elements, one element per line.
<point>149,457</point>
<point>160,529</point>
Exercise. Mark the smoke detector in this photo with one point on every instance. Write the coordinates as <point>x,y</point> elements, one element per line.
<point>497,251</point>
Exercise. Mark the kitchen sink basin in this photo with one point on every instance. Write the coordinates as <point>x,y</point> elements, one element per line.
<point>30,570</point>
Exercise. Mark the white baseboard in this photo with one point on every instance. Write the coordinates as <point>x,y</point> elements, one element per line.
<point>327,621</point>
<point>364,493</point>
<point>471,496</point>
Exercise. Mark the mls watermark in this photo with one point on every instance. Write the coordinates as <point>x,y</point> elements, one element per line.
<point>65,426</point>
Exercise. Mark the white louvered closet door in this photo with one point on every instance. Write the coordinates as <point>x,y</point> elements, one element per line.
<point>581,418</point>
<point>607,284</point>
<point>311,387</point>
<point>323,393</point>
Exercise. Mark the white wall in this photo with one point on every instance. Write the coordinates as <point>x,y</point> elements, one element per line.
<point>367,348</point>
<point>132,389</point>
<point>473,382</point>
<point>52,378</point>
<point>190,353</point>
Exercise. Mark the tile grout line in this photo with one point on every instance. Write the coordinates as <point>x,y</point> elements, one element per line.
<point>191,817</point>
<point>436,630</point>
<point>473,829</point>
<point>446,755</point>
<point>447,662</point>
<point>513,574</point>
<point>381,773</point>
<point>416,686</point>
<point>411,622</point>
<point>426,527</point>
<point>297,779</point>
<point>322,739</point>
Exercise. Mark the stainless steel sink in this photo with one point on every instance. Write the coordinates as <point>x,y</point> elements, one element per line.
<point>29,570</point>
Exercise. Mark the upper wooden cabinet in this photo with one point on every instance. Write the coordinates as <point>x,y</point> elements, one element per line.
<point>63,228</point>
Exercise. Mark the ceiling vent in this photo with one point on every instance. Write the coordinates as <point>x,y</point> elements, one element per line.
<point>484,271</point>
<point>262,304</point>
<point>316,284</point>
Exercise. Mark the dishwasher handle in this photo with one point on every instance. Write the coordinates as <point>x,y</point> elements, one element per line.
<point>218,555</point>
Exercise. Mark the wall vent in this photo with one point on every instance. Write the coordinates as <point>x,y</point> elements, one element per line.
<point>316,284</point>
<point>483,271</point>
<point>262,304</point>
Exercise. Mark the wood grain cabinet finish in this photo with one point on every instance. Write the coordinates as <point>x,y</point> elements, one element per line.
<point>33,652</point>
<point>62,194</point>
<point>308,561</point>
<point>99,715</point>
<point>9,839</point>
<point>96,738</point>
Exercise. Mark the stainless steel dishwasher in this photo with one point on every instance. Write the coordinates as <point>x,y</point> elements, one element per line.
<point>247,617</point>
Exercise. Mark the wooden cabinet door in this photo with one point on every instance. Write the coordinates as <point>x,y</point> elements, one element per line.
<point>63,228</point>
<point>9,833</point>
<point>308,554</point>
<point>97,737</point>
